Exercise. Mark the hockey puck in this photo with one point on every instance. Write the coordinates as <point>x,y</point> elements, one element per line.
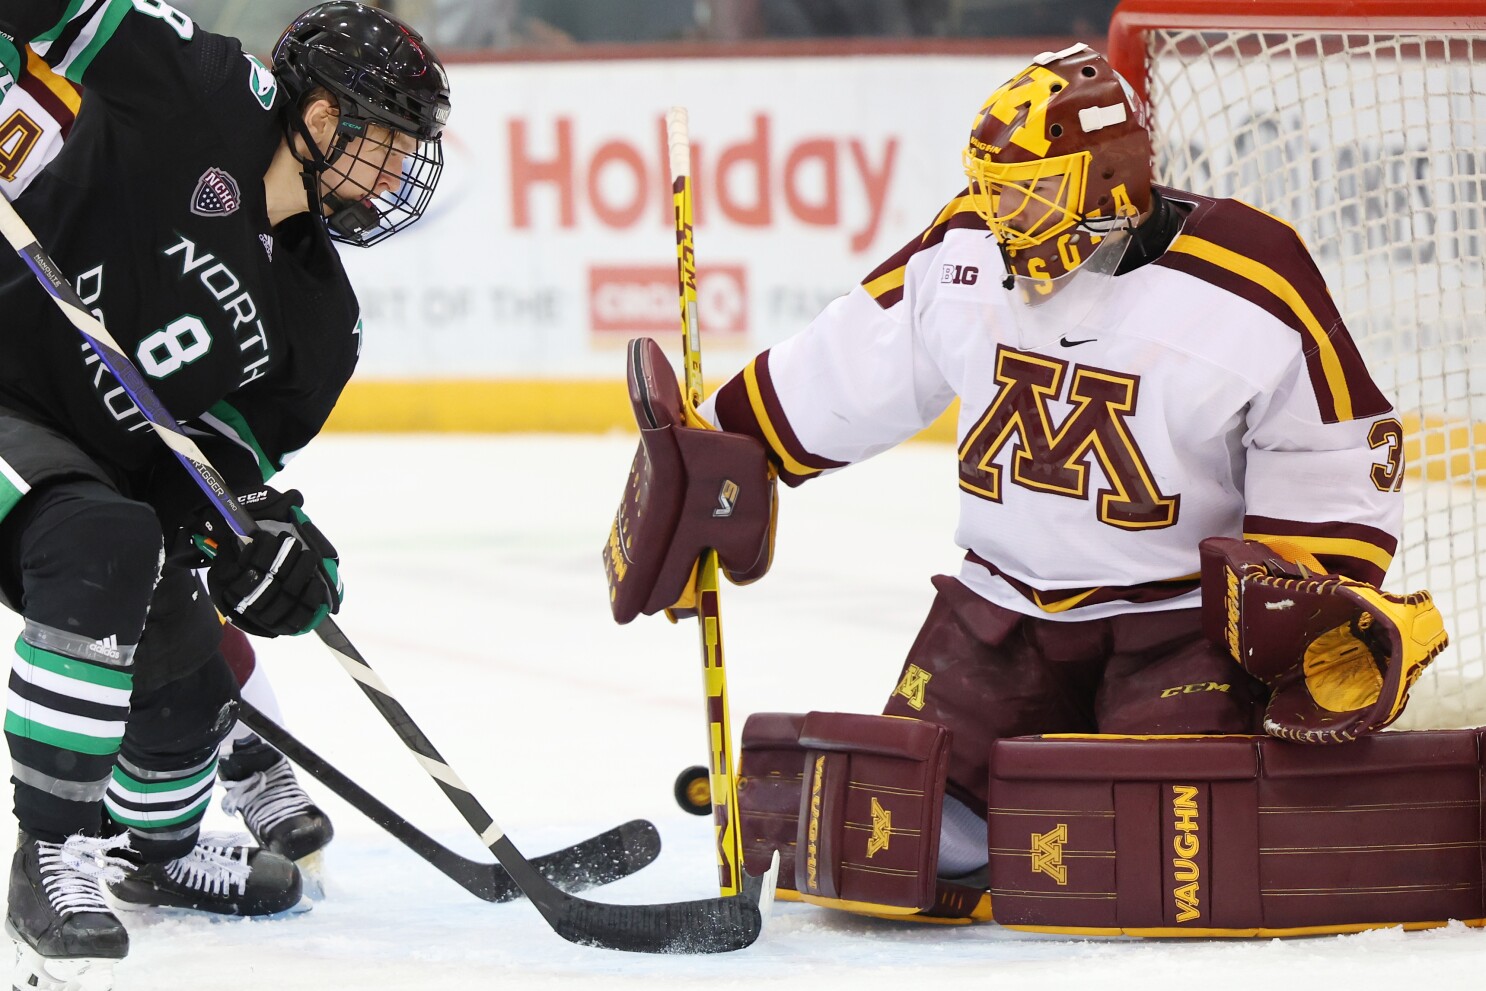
<point>694,790</point>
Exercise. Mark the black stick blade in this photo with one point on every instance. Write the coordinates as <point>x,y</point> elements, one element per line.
<point>710,925</point>
<point>606,857</point>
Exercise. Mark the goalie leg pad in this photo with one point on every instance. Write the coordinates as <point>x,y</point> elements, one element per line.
<point>776,762</point>
<point>1236,836</point>
<point>771,769</point>
<point>870,811</point>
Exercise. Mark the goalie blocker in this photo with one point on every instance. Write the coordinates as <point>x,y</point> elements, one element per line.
<point>690,488</point>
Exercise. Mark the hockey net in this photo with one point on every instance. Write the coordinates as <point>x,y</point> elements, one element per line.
<point>1363,124</point>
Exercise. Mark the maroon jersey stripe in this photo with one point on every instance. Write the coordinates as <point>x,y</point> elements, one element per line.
<point>1351,549</point>
<point>885,282</point>
<point>1266,242</point>
<point>49,101</point>
<point>748,404</point>
<point>1067,599</point>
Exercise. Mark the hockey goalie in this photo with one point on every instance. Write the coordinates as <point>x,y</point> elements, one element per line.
<point>1149,701</point>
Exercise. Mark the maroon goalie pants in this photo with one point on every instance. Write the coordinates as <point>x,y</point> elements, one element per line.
<point>988,673</point>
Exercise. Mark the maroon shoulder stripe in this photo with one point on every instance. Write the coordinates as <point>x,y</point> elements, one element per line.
<point>753,408</point>
<point>953,215</point>
<point>1254,235</point>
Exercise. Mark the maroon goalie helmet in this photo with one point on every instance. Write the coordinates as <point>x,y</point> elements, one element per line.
<point>1059,157</point>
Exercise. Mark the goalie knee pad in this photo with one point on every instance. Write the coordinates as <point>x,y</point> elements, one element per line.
<point>1235,836</point>
<point>853,804</point>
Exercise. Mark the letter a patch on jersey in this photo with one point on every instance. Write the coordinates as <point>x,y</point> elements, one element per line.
<point>216,195</point>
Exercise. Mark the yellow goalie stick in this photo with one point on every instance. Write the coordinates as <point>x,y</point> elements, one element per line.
<point>724,781</point>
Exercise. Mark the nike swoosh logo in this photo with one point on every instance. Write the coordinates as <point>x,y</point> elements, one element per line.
<point>1071,344</point>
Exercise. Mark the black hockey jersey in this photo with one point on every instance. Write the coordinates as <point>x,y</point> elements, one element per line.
<point>155,210</point>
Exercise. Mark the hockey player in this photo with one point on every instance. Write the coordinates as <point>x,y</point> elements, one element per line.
<point>193,206</point>
<point>37,108</point>
<point>1138,368</point>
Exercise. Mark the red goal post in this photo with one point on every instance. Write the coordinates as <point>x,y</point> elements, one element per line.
<point>1363,124</point>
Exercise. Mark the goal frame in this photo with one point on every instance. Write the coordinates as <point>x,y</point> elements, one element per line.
<point>1127,27</point>
<point>1436,363</point>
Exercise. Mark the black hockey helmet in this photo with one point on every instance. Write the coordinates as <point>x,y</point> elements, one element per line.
<point>380,72</point>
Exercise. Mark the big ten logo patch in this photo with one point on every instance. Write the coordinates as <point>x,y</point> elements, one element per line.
<point>913,685</point>
<point>624,300</point>
<point>959,275</point>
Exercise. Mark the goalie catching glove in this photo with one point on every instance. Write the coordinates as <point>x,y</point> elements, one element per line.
<point>282,582</point>
<point>690,488</point>
<point>1338,655</point>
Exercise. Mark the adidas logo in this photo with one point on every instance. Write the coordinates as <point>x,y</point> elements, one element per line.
<point>267,240</point>
<point>108,647</point>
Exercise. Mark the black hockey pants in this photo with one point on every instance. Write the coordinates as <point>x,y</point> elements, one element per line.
<point>106,709</point>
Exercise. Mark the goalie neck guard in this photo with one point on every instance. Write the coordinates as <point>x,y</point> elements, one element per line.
<point>383,79</point>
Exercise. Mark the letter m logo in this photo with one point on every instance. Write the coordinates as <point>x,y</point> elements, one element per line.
<point>1047,853</point>
<point>1031,91</point>
<point>1055,459</point>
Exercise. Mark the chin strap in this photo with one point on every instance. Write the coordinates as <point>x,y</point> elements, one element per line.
<point>348,218</point>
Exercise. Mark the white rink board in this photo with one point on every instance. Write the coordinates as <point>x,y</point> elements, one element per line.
<point>557,175</point>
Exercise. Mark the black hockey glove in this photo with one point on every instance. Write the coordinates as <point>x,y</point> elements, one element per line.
<point>285,581</point>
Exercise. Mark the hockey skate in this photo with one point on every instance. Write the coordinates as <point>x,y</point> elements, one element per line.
<point>261,787</point>
<point>66,937</point>
<point>217,876</point>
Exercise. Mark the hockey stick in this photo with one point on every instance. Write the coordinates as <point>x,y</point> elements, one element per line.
<point>708,606</point>
<point>705,926</point>
<point>598,860</point>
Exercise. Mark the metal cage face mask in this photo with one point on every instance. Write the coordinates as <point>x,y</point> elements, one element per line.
<point>1026,203</point>
<point>358,216</point>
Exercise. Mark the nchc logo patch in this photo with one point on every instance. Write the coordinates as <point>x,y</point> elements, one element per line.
<point>216,194</point>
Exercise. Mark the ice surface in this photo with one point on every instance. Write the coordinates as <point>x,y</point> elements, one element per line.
<point>475,590</point>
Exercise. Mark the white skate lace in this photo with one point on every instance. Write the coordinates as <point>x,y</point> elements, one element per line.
<point>265,798</point>
<point>217,868</point>
<point>73,872</point>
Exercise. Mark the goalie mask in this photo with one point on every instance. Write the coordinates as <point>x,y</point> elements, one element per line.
<point>393,99</point>
<point>1059,161</point>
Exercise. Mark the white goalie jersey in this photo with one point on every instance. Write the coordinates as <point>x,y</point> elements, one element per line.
<point>37,108</point>
<point>1214,391</point>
